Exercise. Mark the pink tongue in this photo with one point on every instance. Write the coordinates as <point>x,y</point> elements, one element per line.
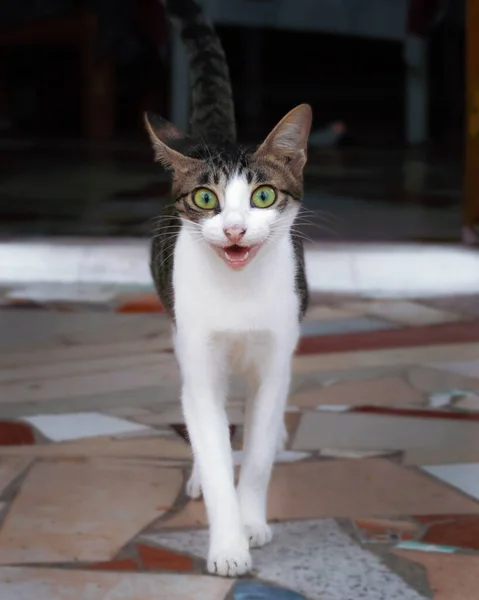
<point>237,255</point>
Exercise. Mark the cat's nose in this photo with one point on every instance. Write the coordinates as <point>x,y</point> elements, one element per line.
<point>235,233</point>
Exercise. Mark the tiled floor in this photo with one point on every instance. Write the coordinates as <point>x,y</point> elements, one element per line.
<point>376,495</point>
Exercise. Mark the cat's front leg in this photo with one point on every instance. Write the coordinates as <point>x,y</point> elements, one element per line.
<point>266,426</point>
<point>204,390</point>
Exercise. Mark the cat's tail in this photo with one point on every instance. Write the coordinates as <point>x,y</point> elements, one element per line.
<point>212,114</point>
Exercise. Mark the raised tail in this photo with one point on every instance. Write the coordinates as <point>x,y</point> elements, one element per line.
<point>212,114</point>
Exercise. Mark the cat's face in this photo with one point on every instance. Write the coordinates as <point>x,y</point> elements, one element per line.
<point>238,203</point>
<point>234,201</point>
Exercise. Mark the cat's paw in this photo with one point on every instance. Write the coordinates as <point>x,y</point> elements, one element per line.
<point>193,487</point>
<point>258,533</point>
<point>230,559</point>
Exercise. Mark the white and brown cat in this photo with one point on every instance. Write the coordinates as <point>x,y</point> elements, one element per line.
<point>228,265</point>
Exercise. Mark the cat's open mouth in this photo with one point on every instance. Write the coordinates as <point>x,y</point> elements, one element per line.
<point>237,257</point>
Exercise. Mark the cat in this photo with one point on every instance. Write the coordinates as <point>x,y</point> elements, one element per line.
<point>228,266</point>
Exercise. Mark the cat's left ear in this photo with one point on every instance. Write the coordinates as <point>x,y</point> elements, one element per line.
<point>163,136</point>
<point>289,139</point>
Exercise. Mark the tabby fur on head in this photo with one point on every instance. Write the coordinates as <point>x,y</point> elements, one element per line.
<point>234,226</point>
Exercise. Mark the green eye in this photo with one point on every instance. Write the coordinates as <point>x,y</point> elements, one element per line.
<point>205,199</point>
<point>263,197</point>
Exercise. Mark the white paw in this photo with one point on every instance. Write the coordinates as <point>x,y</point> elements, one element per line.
<point>230,559</point>
<point>193,487</point>
<point>258,534</point>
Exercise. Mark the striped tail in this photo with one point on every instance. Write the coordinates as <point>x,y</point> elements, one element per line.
<point>212,114</point>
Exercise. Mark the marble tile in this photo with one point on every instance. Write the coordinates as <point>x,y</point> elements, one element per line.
<point>70,368</point>
<point>352,454</point>
<point>314,558</point>
<point>154,397</point>
<point>312,380</point>
<point>363,431</point>
<point>75,426</point>
<point>464,477</point>
<point>73,511</point>
<point>164,432</point>
<point>154,419</point>
<point>468,368</point>
<point>175,416</point>
<point>451,576</point>
<point>284,456</point>
<point>328,313</point>
<point>15,365</point>
<point>344,488</point>
<point>250,590</point>
<point>391,391</point>
<point>33,329</point>
<point>355,488</point>
<point>167,416</point>
<point>430,380</point>
<point>89,384</point>
<point>160,447</point>
<point>385,357</point>
<point>445,399</point>
<point>342,326</point>
<point>25,329</point>
<point>455,398</point>
<point>157,462</point>
<point>403,311</point>
<point>56,584</point>
<point>470,401</point>
<point>64,292</point>
<point>467,305</point>
<point>10,469</point>
<point>128,411</point>
<point>441,456</point>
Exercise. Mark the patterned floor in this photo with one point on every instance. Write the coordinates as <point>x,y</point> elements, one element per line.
<point>376,495</point>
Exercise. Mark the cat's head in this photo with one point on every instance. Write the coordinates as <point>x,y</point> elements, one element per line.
<point>235,200</point>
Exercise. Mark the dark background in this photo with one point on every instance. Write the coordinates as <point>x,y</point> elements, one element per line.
<point>49,146</point>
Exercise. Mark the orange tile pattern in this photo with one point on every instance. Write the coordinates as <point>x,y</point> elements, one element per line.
<point>457,530</point>
<point>165,560</point>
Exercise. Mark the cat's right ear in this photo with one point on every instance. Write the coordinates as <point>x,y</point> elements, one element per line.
<point>163,134</point>
<point>289,139</point>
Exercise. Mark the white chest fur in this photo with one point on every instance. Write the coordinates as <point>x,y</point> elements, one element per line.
<point>210,295</point>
